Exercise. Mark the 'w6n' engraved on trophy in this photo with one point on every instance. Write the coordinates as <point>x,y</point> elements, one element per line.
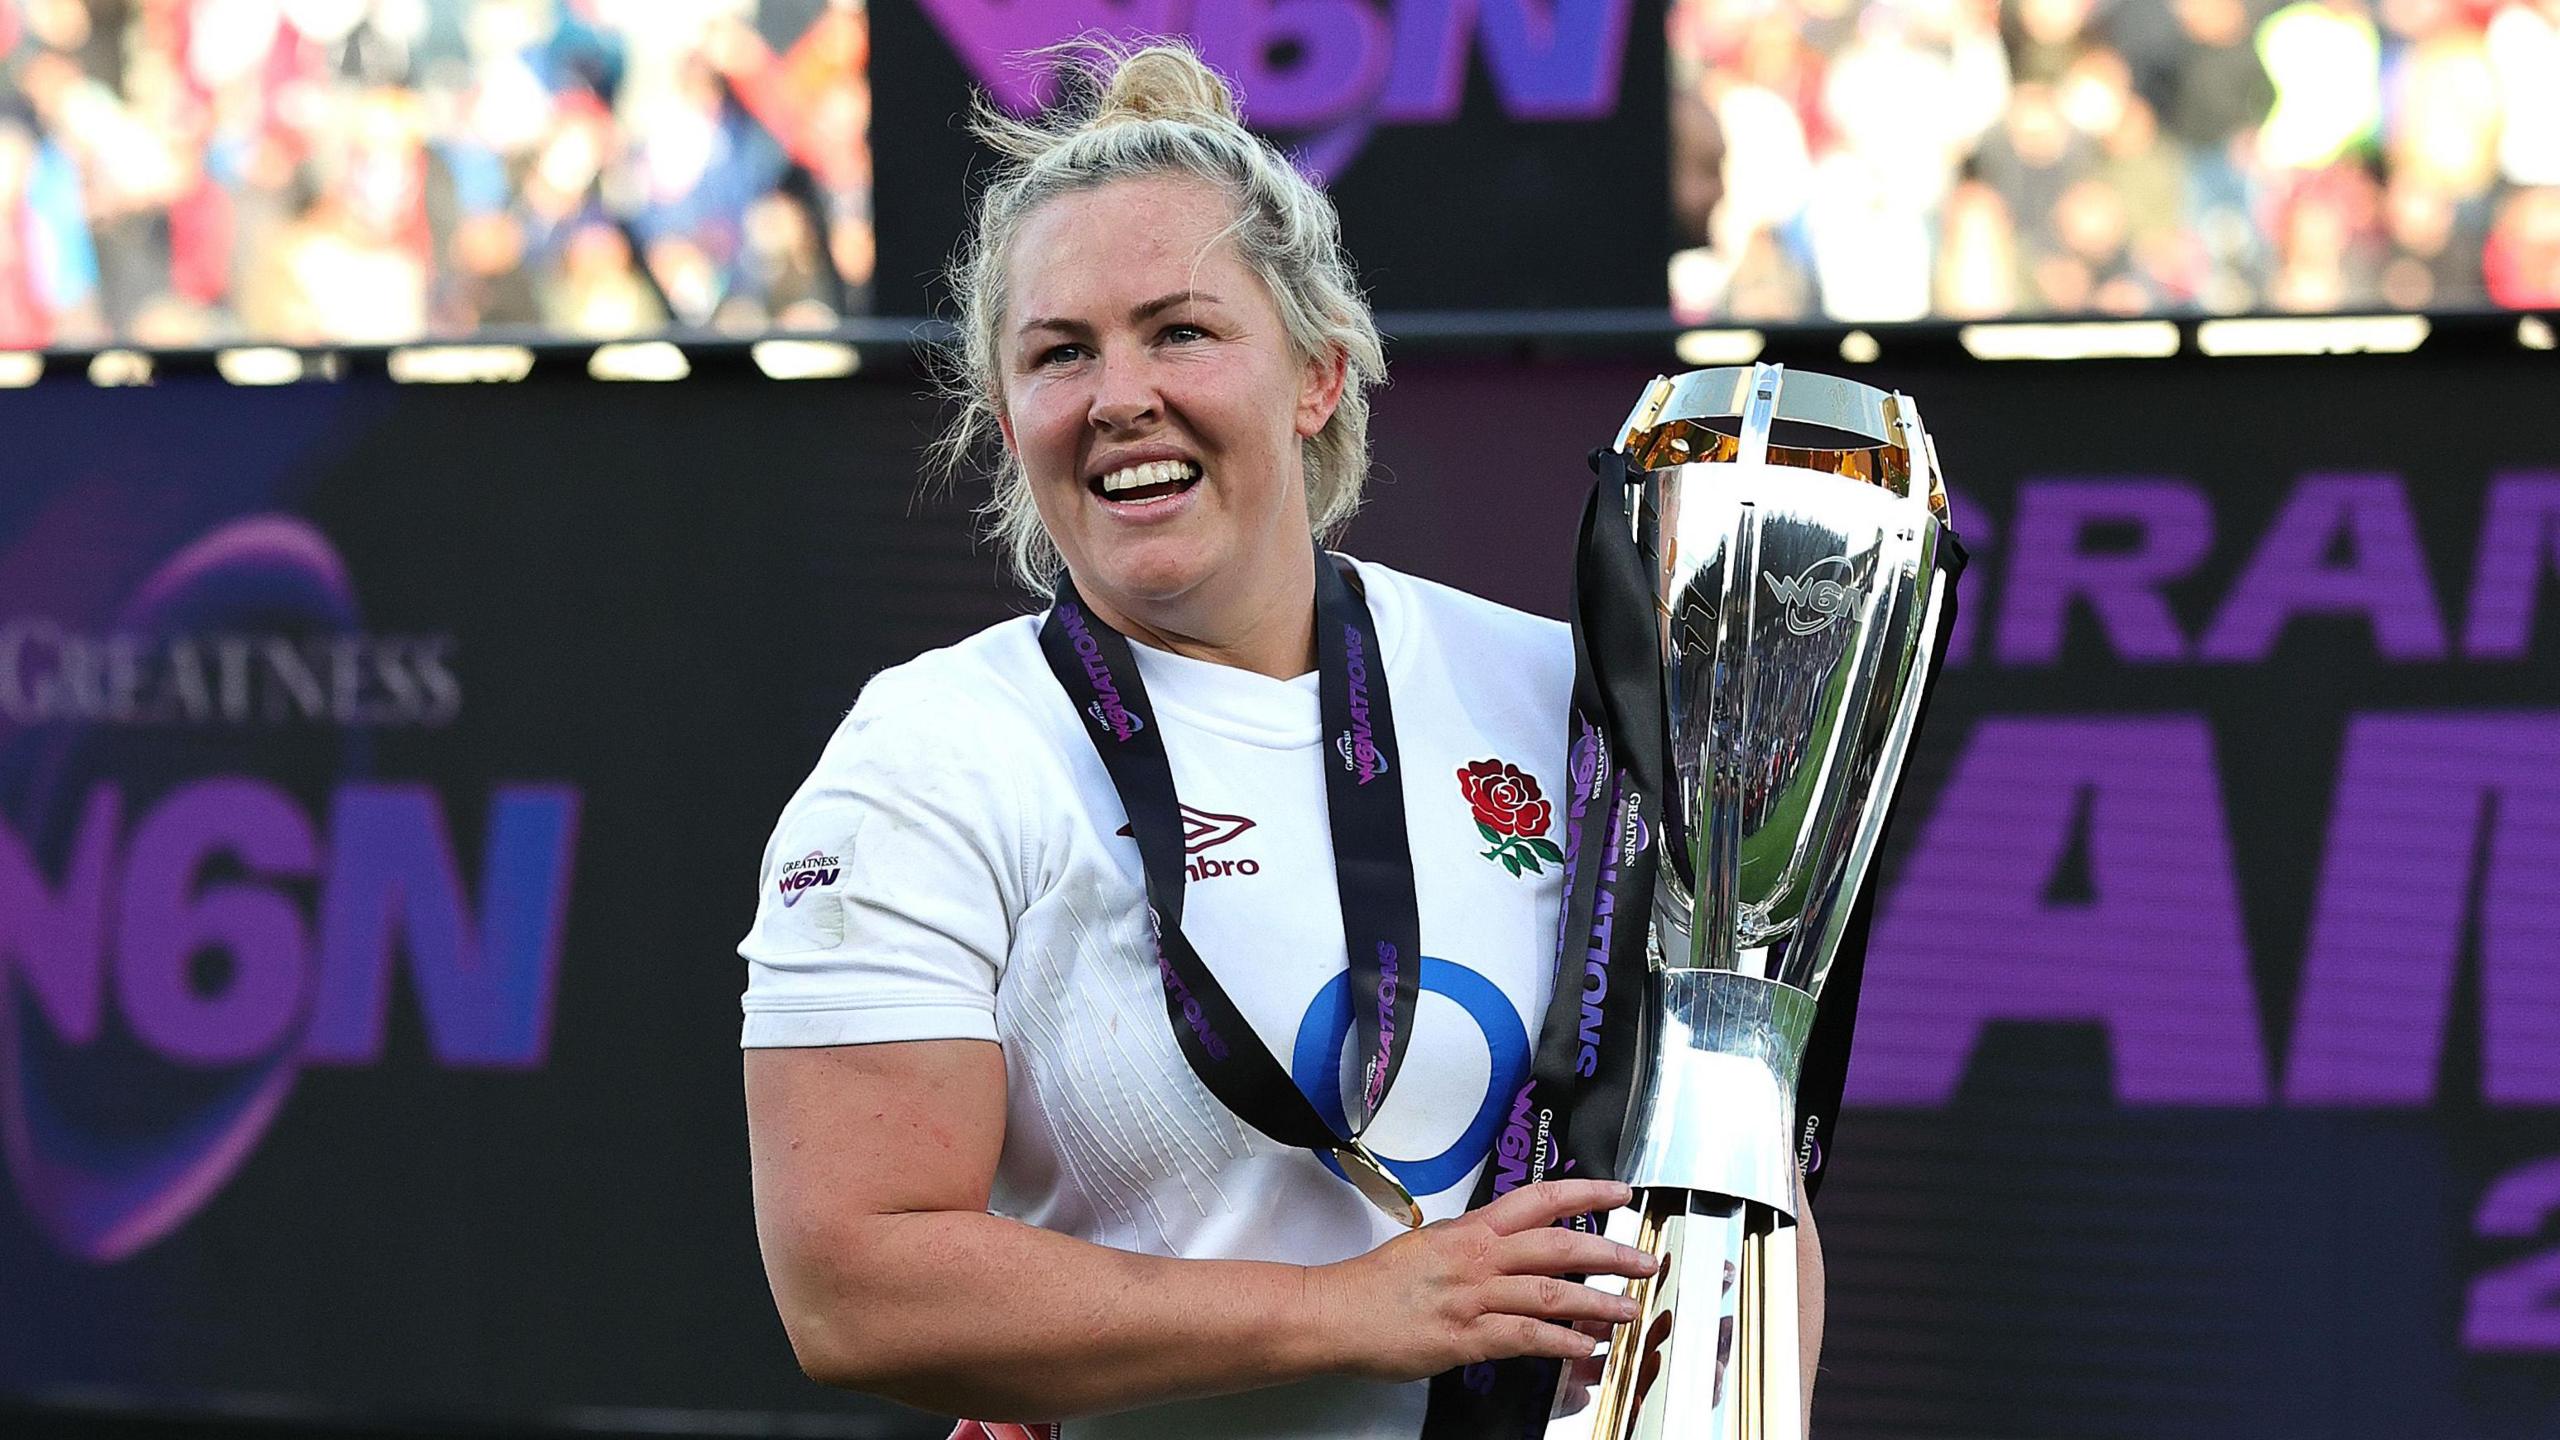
<point>1793,522</point>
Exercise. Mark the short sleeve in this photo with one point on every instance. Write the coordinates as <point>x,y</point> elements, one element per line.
<point>888,891</point>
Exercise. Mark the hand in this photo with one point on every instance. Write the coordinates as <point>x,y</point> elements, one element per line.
<point>1485,1286</point>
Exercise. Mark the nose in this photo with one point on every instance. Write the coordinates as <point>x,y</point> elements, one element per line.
<point>1124,396</point>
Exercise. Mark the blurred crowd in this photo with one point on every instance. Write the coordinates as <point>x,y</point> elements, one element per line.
<point>1881,160</point>
<point>193,172</point>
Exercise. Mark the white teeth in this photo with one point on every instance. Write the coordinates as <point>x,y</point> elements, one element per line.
<point>1153,472</point>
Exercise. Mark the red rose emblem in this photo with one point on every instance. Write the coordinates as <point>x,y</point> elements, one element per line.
<point>1505,797</point>
<point>1511,814</point>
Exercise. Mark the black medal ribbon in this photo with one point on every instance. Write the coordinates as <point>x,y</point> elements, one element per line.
<point>1568,1120</point>
<point>1373,866</point>
<point>1372,853</point>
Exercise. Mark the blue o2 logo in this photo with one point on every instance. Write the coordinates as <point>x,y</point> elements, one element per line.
<point>1316,1064</point>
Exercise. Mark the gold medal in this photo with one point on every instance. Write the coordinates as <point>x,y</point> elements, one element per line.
<point>1372,1180</point>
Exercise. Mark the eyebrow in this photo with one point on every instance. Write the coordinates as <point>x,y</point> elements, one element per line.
<point>1145,311</point>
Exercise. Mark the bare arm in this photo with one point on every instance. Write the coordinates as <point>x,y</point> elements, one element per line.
<point>1809,1283</point>
<point>873,1165</point>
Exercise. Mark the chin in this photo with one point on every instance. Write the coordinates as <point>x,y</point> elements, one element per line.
<point>1154,569</point>
<point>1153,583</point>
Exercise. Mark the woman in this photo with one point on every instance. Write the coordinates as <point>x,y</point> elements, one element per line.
<point>997,1173</point>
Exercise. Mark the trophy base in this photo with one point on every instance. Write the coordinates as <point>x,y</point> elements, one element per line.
<point>1717,1112</point>
<point>1712,1353</point>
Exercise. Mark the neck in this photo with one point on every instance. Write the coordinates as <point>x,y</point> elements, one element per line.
<point>1270,632</point>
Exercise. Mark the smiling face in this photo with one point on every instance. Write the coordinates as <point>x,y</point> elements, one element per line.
<point>1152,398</point>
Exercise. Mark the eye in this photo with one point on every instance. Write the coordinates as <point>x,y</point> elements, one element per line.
<point>1058,355</point>
<point>1183,332</point>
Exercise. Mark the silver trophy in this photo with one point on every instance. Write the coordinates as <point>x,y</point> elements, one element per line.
<point>1795,520</point>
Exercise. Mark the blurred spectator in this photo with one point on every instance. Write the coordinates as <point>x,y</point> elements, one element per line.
<point>1769,283</point>
<point>1978,261</point>
<point>1749,119</point>
<point>1906,99</point>
<point>2150,175</point>
<point>48,265</point>
<point>2034,157</point>
<point>1697,160</point>
<point>2521,261</point>
<point>1888,159</point>
<point>2046,37</point>
<point>2524,49</point>
<point>601,293</point>
<point>374,171</point>
<point>2329,242</point>
<point>1870,245</point>
<point>2325,58</point>
<point>2096,254</point>
<point>2442,95</point>
<point>25,320</point>
<point>2435,250</point>
<point>2220,92</point>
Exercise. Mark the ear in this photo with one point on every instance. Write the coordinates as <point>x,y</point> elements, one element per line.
<point>1320,390</point>
<point>1004,422</point>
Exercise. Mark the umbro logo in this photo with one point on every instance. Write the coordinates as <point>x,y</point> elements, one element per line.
<point>1206,830</point>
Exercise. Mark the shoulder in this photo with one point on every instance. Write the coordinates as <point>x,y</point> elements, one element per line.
<point>1451,622</point>
<point>987,690</point>
<point>935,753</point>
<point>954,735</point>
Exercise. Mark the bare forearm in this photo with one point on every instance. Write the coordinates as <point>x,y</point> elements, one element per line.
<point>971,1314</point>
<point>1809,1285</point>
<point>892,1278</point>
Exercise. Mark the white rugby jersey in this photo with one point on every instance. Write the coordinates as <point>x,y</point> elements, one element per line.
<point>957,867</point>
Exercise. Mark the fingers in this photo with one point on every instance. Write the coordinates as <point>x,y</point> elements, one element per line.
<point>1533,1206</point>
<point>1507,1335</point>
<point>1558,1251</point>
<point>1549,1298</point>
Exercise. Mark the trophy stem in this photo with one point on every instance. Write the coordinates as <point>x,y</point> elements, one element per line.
<point>1711,1354</point>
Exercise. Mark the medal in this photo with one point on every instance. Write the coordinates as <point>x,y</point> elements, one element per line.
<point>1382,1189</point>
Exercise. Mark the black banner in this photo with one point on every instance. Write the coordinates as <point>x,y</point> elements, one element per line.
<point>383,770</point>
<point>1491,117</point>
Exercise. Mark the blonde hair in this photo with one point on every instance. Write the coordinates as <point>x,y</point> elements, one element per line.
<point>1157,110</point>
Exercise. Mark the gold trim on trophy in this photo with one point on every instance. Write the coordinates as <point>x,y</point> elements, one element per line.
<point>1820,423</point>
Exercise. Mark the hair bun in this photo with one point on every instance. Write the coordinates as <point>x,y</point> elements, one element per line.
<point>1163,82</point>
